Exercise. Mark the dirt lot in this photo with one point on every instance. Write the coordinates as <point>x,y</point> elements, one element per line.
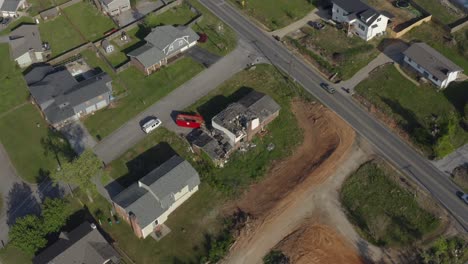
<point>288,198</point>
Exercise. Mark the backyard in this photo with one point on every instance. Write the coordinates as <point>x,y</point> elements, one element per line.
<point>401,15</point>
<point>418,110</point>
<point>440,11</point>
<point>278,15</point>
<point>199,220</point>
<point>60,35</point>
<point>383,212</point>
<point>143,91</point>
<point>333,51</point>
<point>37,6</point>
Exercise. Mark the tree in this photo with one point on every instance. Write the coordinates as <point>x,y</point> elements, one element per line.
<point>276,257</point>
<point>55,213</point>
<point>80,171</point>
<point>27,234</point>
<point>54,144</point>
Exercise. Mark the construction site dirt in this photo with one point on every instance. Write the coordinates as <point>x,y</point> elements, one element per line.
<point>298,199</point>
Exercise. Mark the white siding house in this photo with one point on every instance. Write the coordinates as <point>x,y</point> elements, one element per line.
<point>115,7</point>
<point>9,8</point>
<point>431,64</point>
<point>360,18</point>
<point>26,45</point>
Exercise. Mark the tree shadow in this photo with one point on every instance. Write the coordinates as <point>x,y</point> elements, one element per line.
<point>146,162</point>
<point>457,94</point>
<point>57,145</point>
<point>46,188</point>
<point>219,102</point>
<point>21,202</point>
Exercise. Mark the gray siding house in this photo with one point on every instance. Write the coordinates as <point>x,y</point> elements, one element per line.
<point>115,7</point>
<point>163,44</point>
<point>26,45</point>
<point>62,98</point>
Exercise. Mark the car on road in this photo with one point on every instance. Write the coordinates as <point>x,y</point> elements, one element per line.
<point>151,125</point>
<point>316,25</point>
<point>328,88</point>
<point>463,196</point>
<point>5,20</point>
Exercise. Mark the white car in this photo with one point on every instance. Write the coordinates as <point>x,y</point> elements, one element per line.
<point>151,125</point>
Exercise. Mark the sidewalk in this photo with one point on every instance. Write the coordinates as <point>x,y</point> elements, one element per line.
<point>296,25</point>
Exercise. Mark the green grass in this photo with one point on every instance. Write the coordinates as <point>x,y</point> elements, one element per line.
<point>277,15</point>
<point>434,34</point>
<point>13,89</point>
<point>16,23</point>
<point>21,132</point>
<point>383,212</point>
<point>179,15</point>
<point>143,92</point>
<point>355,52</point>
<point>440,11</point>
<point>12,255</point>
<point>221,38</point>
<point>92,23</point>
<point>412,106</point>
<point>60,34</point>
<point>200,218</point>
<point>119,56</point>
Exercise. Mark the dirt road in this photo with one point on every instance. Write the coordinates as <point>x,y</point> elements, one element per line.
<point>300,188</point>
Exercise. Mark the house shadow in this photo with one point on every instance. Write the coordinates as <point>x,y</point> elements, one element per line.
<point>457,94</point>
<point>393,48</point>
<point>219,102</point>
<point>146,162</point>
<point>21,202</point>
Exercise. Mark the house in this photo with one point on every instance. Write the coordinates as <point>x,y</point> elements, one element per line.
<point>360,18</point>
<point>243,119</point>
<point>146,204</point>
<point>107,46</point>
<point>163,45</point>
<point>85,244</point>
<point>62,98</point>
<point>115,7</point>
<point>26,46</point>
<point>50,13</point>
<point>431,64</point>
<point>9,8</point>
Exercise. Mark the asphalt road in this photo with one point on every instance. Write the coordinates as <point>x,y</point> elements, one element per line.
<point>390,146</point>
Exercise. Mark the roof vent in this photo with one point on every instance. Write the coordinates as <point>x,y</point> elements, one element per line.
<point>93,226</point>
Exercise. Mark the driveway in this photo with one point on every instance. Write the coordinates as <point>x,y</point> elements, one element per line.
<point>78,136</point>
<point>203,56</point>
<point>455,159</point>
<point>142,9</point>
<point>130,133</point>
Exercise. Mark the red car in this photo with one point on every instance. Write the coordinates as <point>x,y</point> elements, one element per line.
<point>191,121</point>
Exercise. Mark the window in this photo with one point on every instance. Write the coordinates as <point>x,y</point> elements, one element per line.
<point>181,42</point>
<point>379,19</point>
<point>409,59</point>
<point>362,27</point>
<point>171,48</point>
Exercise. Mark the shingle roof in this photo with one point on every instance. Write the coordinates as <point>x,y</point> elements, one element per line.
<point>360,10</point>
<point>25,38</point>
<point>431,60</point>
<point>52,87</point>
<point>169,178</point>
<point>158,39</point>
<point>82,245</point>
<point>9,5</point>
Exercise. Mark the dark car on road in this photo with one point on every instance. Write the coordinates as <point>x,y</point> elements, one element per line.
<point>5,20</point>
<point>463,196</point>
<point>316,25</point>
<point>328,88</point>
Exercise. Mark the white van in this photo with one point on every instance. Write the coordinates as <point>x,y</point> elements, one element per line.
<point>151,125</point>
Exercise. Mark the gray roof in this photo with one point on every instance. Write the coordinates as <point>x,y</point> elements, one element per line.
<point>25,38</point>
<point>51,12</point>
<point>359,9</point>
<point>153,194</point>
<point>10,5</point>
<point>157,40</point>
<point>431,60</point>
<point>105,43</point>
<point>253,105</point>
<point>83,245</point>
<point>57,91</point>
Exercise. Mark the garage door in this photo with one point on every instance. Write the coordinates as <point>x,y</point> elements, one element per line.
<point>101,104</point>
<point>90,109</point>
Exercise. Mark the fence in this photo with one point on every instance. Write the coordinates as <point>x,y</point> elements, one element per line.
<point>457,25</point>
<point>69,3</point>
<point>71,53</point>
<point>405,30</point>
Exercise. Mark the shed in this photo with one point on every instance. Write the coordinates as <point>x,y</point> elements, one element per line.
<point>107,46</point>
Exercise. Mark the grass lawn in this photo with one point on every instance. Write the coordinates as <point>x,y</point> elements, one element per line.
<point>277,15</point>
<point>179,15</point>
<point>92,23</point>
<point>143,92</point>
<point>60,34</point>
<point>12,255</point>
<point>16,23</point>
<point>199,219</point>
<point>21,136</point>
<point>338,52</point>
<point>433,35</point>
<point>384,213</point>
<point>440,11</point>
<point>13,90</point>
<point>412,107</point>
<point>119,57</point>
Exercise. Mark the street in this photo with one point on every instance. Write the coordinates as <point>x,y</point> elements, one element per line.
<point>387,144</point>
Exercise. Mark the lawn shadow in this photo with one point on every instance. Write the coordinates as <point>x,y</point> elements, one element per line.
<point>21,202</point>
<point>219,102</point>
<point>146,162</point>
<point>457,94</point>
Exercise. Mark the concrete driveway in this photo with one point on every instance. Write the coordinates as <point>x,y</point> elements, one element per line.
<point>78,136</point>
<point>455,159</point>
<point>142,9</point>
<point>130,133</point>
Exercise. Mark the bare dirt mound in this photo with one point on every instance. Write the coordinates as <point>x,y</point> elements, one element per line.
<point>319,244</point>
<point>280,203</point>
